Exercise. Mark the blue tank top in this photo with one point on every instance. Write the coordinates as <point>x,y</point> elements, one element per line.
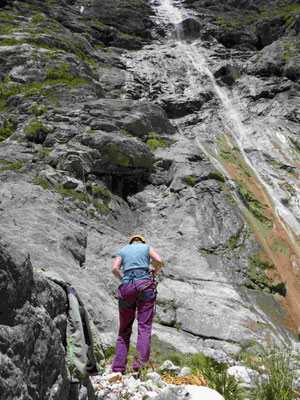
<point>134,256</point>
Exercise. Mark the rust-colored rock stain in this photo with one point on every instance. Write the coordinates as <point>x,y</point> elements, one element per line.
<point>279,241</point>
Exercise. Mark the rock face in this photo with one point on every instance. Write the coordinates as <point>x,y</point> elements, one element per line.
<point>180,123</point>
<point>33,325</point>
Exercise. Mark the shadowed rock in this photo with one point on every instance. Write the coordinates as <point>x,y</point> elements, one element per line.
<point>33,326</point>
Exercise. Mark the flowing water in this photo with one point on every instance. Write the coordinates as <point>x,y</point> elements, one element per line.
<point>244,135</point>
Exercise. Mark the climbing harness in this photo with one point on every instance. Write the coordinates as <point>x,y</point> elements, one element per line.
<point>133,276</point>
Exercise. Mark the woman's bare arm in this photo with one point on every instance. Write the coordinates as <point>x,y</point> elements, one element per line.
<point>116,268</point>
<point>158,262</point>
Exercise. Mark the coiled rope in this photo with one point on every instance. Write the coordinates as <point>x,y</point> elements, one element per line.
<point>197,380</point>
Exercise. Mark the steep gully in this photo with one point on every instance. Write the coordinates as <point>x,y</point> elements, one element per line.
<point>249,138</point>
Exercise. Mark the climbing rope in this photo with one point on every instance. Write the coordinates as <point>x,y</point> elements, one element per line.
<point>197,380</point>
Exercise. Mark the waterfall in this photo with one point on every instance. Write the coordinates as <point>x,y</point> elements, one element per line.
<point>244,136</point>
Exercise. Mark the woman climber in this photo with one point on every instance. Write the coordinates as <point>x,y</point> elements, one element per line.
<point>136,291</point>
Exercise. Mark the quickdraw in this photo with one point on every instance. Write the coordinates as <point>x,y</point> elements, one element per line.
<point>153,279</point>
<point>155,283</point>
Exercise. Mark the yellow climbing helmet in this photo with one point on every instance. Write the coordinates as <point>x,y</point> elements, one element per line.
<point>137,236</point>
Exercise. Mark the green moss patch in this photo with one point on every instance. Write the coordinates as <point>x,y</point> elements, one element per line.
<point>255,206</point>
<point>155,143</point>
<point>39,181</point>
<point>35,131</point>
<point>190,180</point>
<point>102,193</point>
<point>17,166</point>
<point>115,154</point>
<point>6,132</point>
<point>59,73</point>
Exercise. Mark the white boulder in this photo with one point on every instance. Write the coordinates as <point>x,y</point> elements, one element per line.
<point>203,393</point>
<point>246,376</point>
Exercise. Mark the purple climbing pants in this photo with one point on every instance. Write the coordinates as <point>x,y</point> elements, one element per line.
<point>145,311</point>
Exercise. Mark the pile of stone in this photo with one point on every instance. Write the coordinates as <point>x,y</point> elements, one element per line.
<point>115,386</point>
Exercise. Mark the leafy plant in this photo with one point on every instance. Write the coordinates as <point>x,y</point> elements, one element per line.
<point>109,354</point>
<point>6,16</point>
<point>213,372</point>
<point>278,384</point>
<point>143,370</point>
<point>227,386</point>
<point>131,354</point>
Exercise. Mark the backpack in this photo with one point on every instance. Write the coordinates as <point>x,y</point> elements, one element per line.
<point>85,355</point>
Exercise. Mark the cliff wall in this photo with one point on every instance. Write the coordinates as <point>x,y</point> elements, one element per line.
<point>179,122</point>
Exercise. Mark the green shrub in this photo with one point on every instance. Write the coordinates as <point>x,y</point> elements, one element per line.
<point>100,207</point>
<point>35,131</point>
<point>102,193</point>
<point>279,382</point>
<point>6,132</point>
<point>233,241</point>
<point>110,353</point>
<point>54,73</point>
<point>38,109</point>
<point>190,180</point>
<point>73,195</point>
